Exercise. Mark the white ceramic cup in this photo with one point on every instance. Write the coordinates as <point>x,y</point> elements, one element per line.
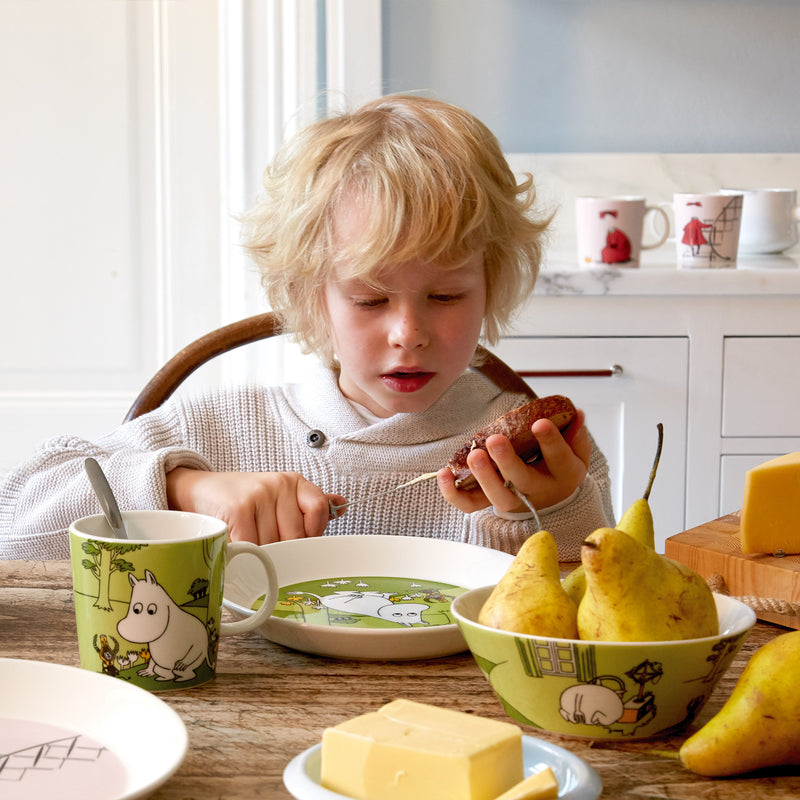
<point>769,220</point>
<point>609,230</point>
<point>706,228</point>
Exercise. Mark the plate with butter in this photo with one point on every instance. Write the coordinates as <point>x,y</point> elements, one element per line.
<point>370,597</point>
<point>433,749</point>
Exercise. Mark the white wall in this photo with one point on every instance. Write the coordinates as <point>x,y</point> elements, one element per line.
<point>553,76</point>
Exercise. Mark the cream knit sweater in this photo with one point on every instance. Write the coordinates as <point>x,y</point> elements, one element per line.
<point>257,428</point>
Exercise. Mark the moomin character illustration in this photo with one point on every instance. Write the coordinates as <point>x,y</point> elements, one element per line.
<point>374,604</point>
<point>618,245</point>
<point>693,232</point>
<point>595,703</point>
<point>177,640</point>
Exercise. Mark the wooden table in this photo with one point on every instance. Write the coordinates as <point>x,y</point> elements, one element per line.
<point>267,704</point>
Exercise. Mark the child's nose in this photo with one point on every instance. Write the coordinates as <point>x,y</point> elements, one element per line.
<point>408,330</point>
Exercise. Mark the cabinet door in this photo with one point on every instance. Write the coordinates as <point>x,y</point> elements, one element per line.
<point>622,409</point>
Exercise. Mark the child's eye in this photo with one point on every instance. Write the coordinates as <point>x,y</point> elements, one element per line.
<point>446,298</point>
<point>368,302</point>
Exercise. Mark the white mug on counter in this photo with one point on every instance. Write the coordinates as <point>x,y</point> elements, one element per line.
<point>769,220</point>
<point>609,230</point>
<point>706,228</point>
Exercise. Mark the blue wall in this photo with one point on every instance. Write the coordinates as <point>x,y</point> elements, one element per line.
<point>674,76</point>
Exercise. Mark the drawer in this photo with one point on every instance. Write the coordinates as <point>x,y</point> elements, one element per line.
<point>761,386</point>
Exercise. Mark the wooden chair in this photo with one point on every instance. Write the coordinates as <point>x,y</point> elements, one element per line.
<point>254,329</point>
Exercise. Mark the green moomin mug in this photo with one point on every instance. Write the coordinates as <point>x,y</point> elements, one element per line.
<point>147,608</point>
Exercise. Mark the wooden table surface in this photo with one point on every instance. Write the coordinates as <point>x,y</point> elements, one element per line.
<point>268,703</point>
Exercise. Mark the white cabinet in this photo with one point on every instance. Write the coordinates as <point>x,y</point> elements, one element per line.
<point>623,408</point>
<point>760,403</point>
<point>713,354</point>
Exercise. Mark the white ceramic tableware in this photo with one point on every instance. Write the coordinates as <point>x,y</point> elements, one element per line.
<point>769,220</point>
<point>609,230</point>
<point>366,597</point>
<point>72,734</point>
<point>706,229</point>
<point>576,779</point>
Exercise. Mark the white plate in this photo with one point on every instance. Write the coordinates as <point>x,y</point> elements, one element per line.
<point>576,779</point>
<point>71,733</point>
<point>364,624</point>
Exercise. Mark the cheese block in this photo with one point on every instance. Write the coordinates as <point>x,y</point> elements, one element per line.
<point>539,786</point>
<point>770,519</point>
<point>408,750</point>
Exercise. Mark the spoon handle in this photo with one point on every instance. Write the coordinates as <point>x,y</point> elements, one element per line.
<point>106,497</point>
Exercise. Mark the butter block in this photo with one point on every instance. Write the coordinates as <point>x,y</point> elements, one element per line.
<point>409,751</point>
<point>770,519</point>
<point>541,785</point>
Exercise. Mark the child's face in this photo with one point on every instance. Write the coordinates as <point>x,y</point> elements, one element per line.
<point>399,350</point>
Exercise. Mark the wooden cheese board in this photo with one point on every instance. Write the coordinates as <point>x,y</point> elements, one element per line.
<point>770,585</point>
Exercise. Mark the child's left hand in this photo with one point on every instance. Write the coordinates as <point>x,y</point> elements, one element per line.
<point>549,480</point>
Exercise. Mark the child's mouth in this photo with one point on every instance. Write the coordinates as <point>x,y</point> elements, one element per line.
<point>406,381</point>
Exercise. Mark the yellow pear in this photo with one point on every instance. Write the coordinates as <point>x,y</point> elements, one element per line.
<point>575,584</point>
<point>633,594</point>
<point>759,725</point>
<point>529,598</point>
<point>636,521</point>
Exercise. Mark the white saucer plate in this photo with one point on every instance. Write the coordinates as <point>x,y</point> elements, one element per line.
<point>354,567</point>
<point>576,779</point>
<point>74,734</point>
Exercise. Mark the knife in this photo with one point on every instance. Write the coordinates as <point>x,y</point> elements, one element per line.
<point>334,510</point>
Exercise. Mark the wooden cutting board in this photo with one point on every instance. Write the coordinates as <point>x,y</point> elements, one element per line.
<point>769,585</point>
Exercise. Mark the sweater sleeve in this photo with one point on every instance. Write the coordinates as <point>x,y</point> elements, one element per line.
<point>41,497</point>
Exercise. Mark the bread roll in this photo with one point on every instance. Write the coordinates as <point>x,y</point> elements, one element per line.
<point>516,425</point>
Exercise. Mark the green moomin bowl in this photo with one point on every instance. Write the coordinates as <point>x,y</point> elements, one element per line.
<point>602,690</point>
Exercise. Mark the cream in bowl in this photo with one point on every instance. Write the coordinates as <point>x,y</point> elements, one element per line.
<point>602,690</point>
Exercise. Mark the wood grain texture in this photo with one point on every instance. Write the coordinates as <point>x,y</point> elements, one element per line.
<point>713,549</point>
<point>268,703</point>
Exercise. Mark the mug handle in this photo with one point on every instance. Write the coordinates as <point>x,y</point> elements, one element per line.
<point>665,235</point>
<point>260,616</point>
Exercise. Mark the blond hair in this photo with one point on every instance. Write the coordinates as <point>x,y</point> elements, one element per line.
<point>437,188</point>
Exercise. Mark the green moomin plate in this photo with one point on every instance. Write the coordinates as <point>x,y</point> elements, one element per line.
<point>366,597</point>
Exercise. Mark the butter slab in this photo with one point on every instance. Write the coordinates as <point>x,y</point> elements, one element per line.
<point>408,750</point>
<point>541,785</point>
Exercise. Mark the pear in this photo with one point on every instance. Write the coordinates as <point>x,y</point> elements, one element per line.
<point>575,584</point>
<point>759,725</point>
<point>636,521</point>
<point>529,598</point>
<point>633,594</point>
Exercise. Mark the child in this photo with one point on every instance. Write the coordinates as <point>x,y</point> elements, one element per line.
<point>389,240</point>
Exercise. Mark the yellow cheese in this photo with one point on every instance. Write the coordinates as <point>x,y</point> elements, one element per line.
<point>539,786</point>
<point>410,751</point>
<point>771,507</point>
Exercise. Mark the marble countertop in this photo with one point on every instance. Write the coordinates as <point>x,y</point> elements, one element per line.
<point>561,177</point>
<point>753,275</point>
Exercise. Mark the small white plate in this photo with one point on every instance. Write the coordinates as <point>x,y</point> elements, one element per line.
<point>74,734</point>
<point>576,779</point>
<point>365,597</point>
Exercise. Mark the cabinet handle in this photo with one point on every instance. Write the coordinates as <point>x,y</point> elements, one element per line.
<point>614,369</point>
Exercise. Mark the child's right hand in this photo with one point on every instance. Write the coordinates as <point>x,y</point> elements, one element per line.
<point>259,507</point>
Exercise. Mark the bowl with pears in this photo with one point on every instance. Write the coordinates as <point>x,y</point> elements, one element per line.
<point>628,645</point>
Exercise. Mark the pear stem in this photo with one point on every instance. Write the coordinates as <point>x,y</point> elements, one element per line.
<point>646,495</point>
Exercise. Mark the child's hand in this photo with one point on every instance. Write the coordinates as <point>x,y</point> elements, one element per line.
<point>551,479</point>
<point>259,507</point>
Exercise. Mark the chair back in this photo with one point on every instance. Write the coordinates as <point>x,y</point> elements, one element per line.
<point>253,329</point>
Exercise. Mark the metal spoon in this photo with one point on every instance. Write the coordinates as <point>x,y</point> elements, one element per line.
<point>106,497</point>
